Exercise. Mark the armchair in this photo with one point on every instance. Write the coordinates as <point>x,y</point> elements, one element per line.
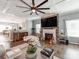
<point>2,52</point>
<point>10,54</point>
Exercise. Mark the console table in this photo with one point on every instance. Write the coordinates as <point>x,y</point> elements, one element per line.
<point>17,38</point>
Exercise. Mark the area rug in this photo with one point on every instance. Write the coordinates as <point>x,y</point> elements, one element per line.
<point>21,57</point>
<point>56,57</point>
<point>23,47</point>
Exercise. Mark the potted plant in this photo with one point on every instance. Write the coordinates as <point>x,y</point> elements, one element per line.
<point>31,52</point>
<point>33,43</point>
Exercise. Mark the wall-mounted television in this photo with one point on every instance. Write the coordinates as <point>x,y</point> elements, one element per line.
<point>49,22</point>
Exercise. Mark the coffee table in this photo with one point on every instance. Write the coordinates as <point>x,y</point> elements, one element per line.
<point>39,56</point>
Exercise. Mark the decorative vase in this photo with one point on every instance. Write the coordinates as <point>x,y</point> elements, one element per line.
<point>31,52</point>
<point>30,56</point>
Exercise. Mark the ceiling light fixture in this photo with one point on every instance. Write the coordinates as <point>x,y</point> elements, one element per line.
<point>34,8</point>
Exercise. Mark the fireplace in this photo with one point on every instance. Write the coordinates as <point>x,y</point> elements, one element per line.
<point>49,34</point>
<point>48,38</point>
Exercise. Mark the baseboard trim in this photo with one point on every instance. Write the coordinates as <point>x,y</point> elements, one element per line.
<point>74,43</point>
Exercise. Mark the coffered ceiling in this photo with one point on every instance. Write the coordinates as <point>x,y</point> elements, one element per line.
<point>9,7</point>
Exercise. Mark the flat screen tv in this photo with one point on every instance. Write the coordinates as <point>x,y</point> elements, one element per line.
<point>49,22</point>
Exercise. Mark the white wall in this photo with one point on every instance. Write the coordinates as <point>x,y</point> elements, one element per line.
<point>5,41</point>
<point>14,25</point>
<point>23,26</point>
<point>28,26</point>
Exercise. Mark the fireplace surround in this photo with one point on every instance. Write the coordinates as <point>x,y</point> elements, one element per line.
<point>51,32</point>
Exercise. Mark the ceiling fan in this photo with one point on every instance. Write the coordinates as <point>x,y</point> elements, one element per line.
<point>34,8</point>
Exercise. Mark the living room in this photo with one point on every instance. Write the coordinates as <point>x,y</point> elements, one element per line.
<point>53,25</point>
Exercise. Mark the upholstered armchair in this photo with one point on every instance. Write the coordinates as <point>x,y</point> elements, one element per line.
<point>2,52</point>
<point>10,54</point>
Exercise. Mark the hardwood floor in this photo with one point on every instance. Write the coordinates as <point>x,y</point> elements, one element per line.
<point>65,51</point>
<point>62,51</point>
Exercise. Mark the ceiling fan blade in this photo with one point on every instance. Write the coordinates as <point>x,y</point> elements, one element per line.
<point>43,8</point>
<point>26,10</point>
<point>60,1</point>
<point>41,11</point>
<point>22,7</point>
<point>33,2</point>
<point>31,13</point>
<point>42,3</point>
<point>36,13</point>
<point>25,3</point>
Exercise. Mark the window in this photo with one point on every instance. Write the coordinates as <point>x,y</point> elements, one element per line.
<point>72,28</point>
<point>38,27</point>
<point>5,27</point>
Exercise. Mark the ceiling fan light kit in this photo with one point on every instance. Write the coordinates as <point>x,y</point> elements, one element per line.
<point>34,8</point>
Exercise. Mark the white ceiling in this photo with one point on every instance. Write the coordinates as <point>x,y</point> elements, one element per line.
<point>10,18</point>
<point>9,7</point>
<point>66,6</point>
